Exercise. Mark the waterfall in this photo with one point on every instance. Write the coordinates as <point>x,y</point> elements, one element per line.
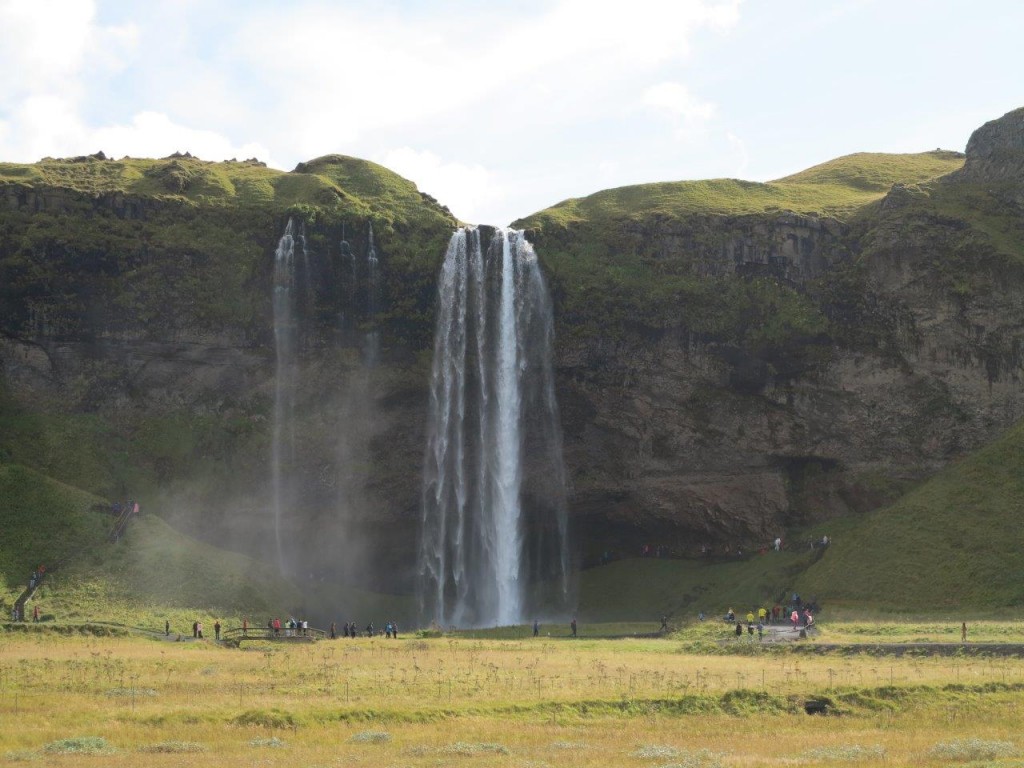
<point>493,505</point>
<point>286,341</point>
<point>371,348</point>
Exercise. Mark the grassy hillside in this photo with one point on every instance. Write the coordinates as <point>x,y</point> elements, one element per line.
<point>152,571</point>
<point>360,187</point>
<point>835,188</point>
<point>646,589</point>
<point>957,541</point>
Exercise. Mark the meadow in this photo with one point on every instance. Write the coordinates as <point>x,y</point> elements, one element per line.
<point>698,697</point>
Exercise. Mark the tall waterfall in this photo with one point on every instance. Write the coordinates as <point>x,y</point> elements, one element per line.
<point>494,512</point>
<point>371,350</point>
<point>288,277</point>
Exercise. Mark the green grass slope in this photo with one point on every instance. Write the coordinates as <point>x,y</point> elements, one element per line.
<point>956,541</point>
<point>835,188</point>
<point>358,186</point>
<point>153,571</point>
<point>644,590</point>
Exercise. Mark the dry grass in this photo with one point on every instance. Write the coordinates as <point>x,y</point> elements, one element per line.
<point>491,702</point>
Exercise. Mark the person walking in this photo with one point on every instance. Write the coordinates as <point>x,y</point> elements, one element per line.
<point>572,626</point>
<point>963,632</point>
<point>216,629</point>
<point>536,628</point>
<point>167,628</point>
<point>35,614</point>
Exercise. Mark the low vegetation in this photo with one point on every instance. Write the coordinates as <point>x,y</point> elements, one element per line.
<point>586,702</point>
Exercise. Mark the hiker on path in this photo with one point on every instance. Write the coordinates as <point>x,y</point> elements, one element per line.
<point>334,633</point>
<point>963,632</point>
<point>245,627</point>
<point>664,624</point>
<point>572,626</point>
<point>216,628</point>
<point>195,630</point>
<point>536,628</point>
<point>167,628</point>
<point>35,614</point>
<point>739,630</point>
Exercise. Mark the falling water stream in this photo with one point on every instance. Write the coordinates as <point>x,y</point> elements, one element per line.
<point>286,339</point>
<point>492,412</point>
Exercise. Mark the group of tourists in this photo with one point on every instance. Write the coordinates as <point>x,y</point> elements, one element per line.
<point>197,629</point>
<point>797,614</point>
<point>34,580</point>
<point>349,629</point>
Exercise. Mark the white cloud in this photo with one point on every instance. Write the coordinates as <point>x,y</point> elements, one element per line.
<point>151,134</point>
<point>468,190</point>
<point>49,126</point>
<point>308,78</point>
<point>47,45</point>
<point>739,149</point>
<point>43,42</point>
<point>676,99</point>
<point>352,72</point>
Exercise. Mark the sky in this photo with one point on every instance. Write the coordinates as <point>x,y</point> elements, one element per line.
<point>500,109</point>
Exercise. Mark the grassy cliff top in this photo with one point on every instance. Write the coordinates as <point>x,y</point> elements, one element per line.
<point>333,181</point>
<point>835,188</point>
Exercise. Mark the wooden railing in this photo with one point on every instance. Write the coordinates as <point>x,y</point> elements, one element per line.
<point>266,633</point>
<point>121,523</point>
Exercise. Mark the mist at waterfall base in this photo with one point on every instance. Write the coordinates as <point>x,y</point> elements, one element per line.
<point>324,413</point>
<point>494,540</point>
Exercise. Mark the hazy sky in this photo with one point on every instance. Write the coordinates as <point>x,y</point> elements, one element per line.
<point>500,109</point>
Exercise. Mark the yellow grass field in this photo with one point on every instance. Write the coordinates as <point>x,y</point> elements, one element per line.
<point>459,701</point>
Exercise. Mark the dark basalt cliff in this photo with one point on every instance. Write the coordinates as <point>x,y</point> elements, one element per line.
<point>734,360</point>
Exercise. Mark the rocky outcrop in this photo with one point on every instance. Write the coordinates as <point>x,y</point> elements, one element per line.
<point>995,152</point>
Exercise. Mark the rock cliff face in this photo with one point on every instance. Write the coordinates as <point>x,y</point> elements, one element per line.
<point>995,152</point>
<point>724,376</point>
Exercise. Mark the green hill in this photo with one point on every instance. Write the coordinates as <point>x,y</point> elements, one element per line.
<point>153,571</point>
<point>836,188</point>
<point>333,182</point>
<point>956,541</point>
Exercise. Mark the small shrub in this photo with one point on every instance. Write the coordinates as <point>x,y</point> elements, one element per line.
<point>174,747</point>
<point>681,758</point>
<point>654,751</point>
<point>573,745</point>
<point>965,750</point>
<point>84,745</point>
<point>371,737</point>
<point>702,758</point>
<point>21,756</point>
<point>268,718</point>
<point>273,741</point>
<point>128,692</point>
<point>474,748</point>
<point>846,753</point>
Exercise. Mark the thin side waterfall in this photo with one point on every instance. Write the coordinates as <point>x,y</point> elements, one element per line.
<point>286,341</point>
<point>371,349</point>
<point>493,506</point>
